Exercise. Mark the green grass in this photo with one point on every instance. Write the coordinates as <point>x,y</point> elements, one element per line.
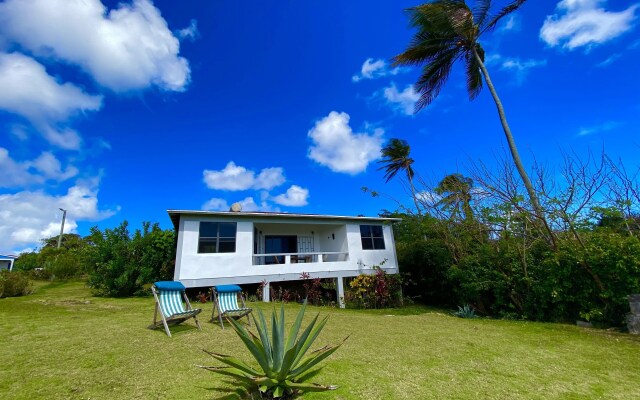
<point>61,343</point>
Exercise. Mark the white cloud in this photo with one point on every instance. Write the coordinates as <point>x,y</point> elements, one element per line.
<point>235,177</point>
<point>519,67</point>
<point>27,90</point>
<point>294,197</point>
<point>610,60</point>
<point>374,69</point>
<point>126,48</point>
<point>191,32</point>
<point>511,23</point>
<point>47,166</point>
<point>28,216</point>
<point>580,23</point>
<point>216,204</point>
<point>603,127</point>
<point>404,101</point>
<point>269,178</point>
<point>428,197</point>
<point>248,204</point>
<point>338,148</point>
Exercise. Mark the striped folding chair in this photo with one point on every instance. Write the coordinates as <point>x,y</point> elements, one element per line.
<point>169,296</point>
<point>225,298</point>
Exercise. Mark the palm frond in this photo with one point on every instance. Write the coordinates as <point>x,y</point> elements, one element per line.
<point>508,9</point>
<point>395,158</point>
<point>434,76</point>
<point>473,72</point>
<point>481,11</point>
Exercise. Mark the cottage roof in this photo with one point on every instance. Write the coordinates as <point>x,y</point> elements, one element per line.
<point>175,216</point>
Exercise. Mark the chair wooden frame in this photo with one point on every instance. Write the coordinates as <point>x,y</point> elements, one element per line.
<point>173,319</point>
<point>229,313</point>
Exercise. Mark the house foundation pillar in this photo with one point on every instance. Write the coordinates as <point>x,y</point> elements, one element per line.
<point>266,289</point>
<point>340,291</point>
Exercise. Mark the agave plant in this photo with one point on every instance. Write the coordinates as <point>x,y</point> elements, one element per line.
<point>465,311</point>
<point>282,361</point>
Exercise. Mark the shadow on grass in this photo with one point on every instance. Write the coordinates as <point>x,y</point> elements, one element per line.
<point>174,329</point>
<point>240,392</point>
<point>414,309</point>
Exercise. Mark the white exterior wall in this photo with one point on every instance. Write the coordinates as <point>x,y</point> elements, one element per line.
<point>207,269</point>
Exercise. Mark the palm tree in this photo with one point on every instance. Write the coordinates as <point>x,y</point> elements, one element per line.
<point>448,31</point>
<point>456,189</point>
<point>395,158</point>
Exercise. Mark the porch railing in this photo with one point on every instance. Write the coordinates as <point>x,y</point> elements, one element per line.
<point>300,258</point>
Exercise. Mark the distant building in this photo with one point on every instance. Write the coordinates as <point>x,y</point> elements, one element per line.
<point>217,248</point>
<point>6,262</point>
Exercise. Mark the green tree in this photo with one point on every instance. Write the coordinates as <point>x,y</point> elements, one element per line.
<point>448,30</point>
<point>456,192</point>
<point>395,159</point>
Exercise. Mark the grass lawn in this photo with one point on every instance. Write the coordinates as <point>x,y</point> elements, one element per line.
<point>62,343</point>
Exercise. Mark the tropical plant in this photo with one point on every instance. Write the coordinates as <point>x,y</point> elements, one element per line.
<point>379,290</point>
<point>455,190</point>
<point>13,284</point>
<point>395,158</point>
<point>283,367</point>
<point>448,30</point>
<point>465,311</point>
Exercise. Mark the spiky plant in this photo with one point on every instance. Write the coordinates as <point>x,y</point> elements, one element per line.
<point>282,361</point>
<point>465,311</point>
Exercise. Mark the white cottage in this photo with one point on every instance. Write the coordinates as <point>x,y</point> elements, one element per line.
<point>217,248</point>
<point>6,262</point>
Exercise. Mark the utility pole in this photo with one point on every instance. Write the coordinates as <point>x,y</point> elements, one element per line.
<point>64,216</point>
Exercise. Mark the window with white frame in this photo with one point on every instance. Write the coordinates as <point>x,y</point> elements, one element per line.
<point>372,237</point>
<point>217,237</point>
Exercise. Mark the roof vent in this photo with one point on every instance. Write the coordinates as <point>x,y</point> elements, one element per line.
<point>236,207</point>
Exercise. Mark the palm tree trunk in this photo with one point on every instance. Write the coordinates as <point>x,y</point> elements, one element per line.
<point>533,197</point>
<point>413,194</point>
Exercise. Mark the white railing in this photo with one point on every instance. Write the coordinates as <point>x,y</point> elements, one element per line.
<point>299,258</point>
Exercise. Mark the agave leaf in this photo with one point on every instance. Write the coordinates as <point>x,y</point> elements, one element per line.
<point>265,382</point>
<point>310,339</point>
<point>278,341</point>
<point>229,371</point>
<point>295,328</point>
<point>287,362</point>
<point>278,391</point>
<point>315,357</point>
<point>303,337</point>
<point>309,387</point>
<point>264,335</point>
<point>257,353</point>
<point>233,362</point>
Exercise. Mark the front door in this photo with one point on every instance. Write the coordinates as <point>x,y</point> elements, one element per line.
<point>278,244</point>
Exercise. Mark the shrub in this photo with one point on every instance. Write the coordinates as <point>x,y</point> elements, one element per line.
<point>465,311</point>
<point>282,361</point>
<point>379,290</point>
<point>122,264</point>
<point>13,284</point>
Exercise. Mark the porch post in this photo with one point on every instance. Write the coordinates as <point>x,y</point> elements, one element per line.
<point>340,291</point>
<point>265,292</point>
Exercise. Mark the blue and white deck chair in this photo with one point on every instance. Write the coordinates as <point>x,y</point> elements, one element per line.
<point>169,296</point>
<point>225,299</point>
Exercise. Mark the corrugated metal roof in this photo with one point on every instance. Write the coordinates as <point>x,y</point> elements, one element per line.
<point>175,216</point>
<point>7,257</point>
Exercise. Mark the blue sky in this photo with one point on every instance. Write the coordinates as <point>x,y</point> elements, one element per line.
<point>121,110</point>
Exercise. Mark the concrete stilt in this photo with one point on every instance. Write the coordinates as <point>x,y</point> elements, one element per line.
<point>266,289</point>
<point>340,291</point>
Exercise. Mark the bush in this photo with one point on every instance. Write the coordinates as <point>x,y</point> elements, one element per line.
<point>121,264</point>
<point>13,284</point>
<point>379,290</point>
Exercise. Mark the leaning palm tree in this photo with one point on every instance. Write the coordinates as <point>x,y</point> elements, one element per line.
<point>455,190</point>
<point>395,158</point>
<point>448,31</point>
